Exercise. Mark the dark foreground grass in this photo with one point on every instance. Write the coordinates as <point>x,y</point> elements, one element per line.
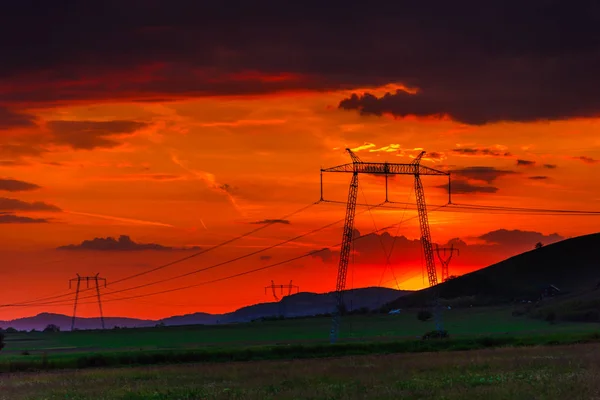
<point>559,372</point>
<point>215,355</point>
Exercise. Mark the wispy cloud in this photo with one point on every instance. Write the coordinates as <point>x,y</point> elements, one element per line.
<point>482,152</point>
<point>13,185</point>
<point>17,219</point>
<point>587,160</point>
<point>130,221</point>
<point>7,204</point>
<point>525,163</point>
<point>243,122</point>
<point>271,221</point>
<point>365,146</point>
<point>210,181</point>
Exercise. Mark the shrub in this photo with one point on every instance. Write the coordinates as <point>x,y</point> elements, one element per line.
<point>11,330</point>
<point>52,328</point>
<point>424,315</point>
<point>441,334</point>
<point>1,341</point>
<point>518,313</point>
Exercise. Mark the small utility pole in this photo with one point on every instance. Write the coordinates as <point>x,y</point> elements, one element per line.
<point>289,288</point>
<point>87,279</point>
<point>445,260</point>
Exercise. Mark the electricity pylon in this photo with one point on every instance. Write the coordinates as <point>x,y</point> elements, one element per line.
<point>446,260</point>
<point>87,279</point>
<point>374,168</point>
<point>289,288</point>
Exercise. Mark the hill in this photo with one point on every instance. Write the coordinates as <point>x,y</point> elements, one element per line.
<point>571,265</point>
<point>40,321</point>
<point>296,305</point>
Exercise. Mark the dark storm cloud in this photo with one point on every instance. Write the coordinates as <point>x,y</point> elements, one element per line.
<point>228,188</point>
<point>464,187</point>
<point>271,221</point>
<point>435,155</point>
<point>10,119</point>
<point>123,243</point>
<point>525,163</point>
<point>482,152</point>
<point>17,219</point>
<point>492,247</point>
<point>88,135</point>
<point>587,160</point>
<point>483,174</point>
<point>13,185</point>
<point>20,147</point>
<point>478,61</point>
<point>325,254</point>
<point>7,204</point>
<point>516,237</point>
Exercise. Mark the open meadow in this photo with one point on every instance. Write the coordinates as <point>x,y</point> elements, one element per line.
<point>459,323</point>
<point>557,372</point>
<point>471,328</point>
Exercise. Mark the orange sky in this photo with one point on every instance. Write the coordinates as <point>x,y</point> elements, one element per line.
<point>184,126</point>
<point>161,185</point>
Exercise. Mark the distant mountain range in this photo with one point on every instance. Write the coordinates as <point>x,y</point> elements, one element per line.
<point>296,305</point>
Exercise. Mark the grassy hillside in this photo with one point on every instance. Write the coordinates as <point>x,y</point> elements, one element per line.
<point>572,265</point>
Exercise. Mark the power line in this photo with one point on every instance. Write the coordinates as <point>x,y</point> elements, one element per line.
<point>175,261</point>
<point>215,265</point>
<point>457,207</point>
<point>245,272</point>
<point>525,209</point>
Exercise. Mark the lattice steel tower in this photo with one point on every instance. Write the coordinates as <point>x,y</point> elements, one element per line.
<point>359,167</point>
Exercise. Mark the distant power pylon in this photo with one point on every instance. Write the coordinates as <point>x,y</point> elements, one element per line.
<point>289,288</point>
<point>445,261</point>
<point>357,167</point>
<point>87,279</point>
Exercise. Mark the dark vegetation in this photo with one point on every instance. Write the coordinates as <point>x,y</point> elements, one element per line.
<point>424,315</point>
<point>436,334</point>
<point>52,328</point>
<point>522,282</point>
<point>1,341</point>
<point>114,359</point>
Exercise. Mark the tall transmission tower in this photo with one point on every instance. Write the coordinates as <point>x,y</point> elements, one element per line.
<point>445,260</point>
<point>96,279</point>
<point>274,288</point>
<point>374,168</point>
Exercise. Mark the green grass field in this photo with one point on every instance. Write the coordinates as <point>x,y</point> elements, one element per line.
<point>294,338</point>
<point>560,372</point>
<point>460,323</point>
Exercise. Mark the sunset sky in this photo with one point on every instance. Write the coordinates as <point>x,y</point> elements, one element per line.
<point>189,125</point>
